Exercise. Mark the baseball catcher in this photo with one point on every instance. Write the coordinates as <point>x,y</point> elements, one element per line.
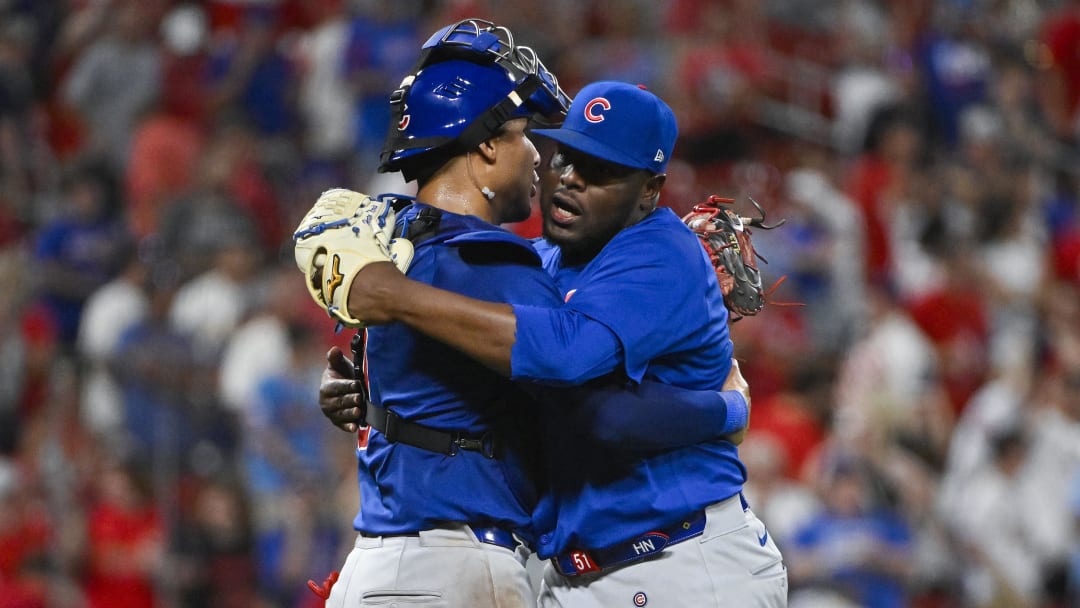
<point>726,237</point>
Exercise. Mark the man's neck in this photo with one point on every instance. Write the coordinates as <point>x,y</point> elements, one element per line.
<point>455,196</point>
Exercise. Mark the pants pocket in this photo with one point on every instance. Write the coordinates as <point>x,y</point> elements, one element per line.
<point>419,597</point>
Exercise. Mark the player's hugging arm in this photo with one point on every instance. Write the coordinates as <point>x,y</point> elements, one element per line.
<point>655,416</point>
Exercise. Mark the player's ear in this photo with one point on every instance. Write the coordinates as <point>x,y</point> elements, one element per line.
<point>487,150</point>
<point>650,191</point>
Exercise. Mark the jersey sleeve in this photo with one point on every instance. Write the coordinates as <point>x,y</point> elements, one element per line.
<point>656,416</point>
<point>644,297</point>
<point>560,347</point>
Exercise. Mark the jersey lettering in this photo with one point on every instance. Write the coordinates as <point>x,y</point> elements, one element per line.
<point>645,546</point>
<point>583,562</point>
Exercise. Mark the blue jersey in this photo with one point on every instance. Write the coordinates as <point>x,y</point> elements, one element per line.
<point>652,288</point>
<point>405,488</point>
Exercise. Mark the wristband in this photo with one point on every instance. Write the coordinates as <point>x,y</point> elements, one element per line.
<point>737,412</point>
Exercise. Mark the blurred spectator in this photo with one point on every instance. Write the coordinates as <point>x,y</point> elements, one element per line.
<point>996,407</point>
<point>1054,456</point>
<point>1000,569</point>
<point>864,83</point>
<point>888,387</point>
<point>109,312</point>
<point>275,308</point>
<point>856,546</point>
<point>185,34</point>
<point>879,177</point>
<point>19,150</point>
<point>798,417</point>
<point>956,66</point>
<point>13,372</point>
<point>208,308</point>
<point>955,319</point>
<point>170,419</point>
<point>212,557</point>
<point>1060,63</point>
<point>250,75</point>
<point>718,77</point>
<point>626,47</point>
<point>1013,94</point>
<point>823,241</point>
<point>164,159</point>
<point>287,455</point>
<point>126,540</point>
<point>79,251</point>
<point>326,97</point>
<point>28,346</point>
<point>383,38</point>
<point>116,79</point>
<point>25,535</point>
<point>192,228</point>
<point>1061,207</point>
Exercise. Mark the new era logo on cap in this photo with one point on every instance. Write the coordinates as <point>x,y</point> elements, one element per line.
<point>620,123</point>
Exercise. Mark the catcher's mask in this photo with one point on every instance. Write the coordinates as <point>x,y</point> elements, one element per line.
<point>469,80</point>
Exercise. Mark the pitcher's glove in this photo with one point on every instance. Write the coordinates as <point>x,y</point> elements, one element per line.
<point>726,238</point>
<point>341,234</point>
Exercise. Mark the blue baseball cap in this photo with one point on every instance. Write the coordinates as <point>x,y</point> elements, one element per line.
<point>620,123</point>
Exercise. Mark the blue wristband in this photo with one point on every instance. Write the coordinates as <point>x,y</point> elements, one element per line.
<point>737,412</point>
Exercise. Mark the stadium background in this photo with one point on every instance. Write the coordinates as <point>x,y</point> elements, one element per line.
<point>915,434</point>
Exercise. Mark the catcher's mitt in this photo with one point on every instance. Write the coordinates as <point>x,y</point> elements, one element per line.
<point>726,238</point>
<point>343,232</point>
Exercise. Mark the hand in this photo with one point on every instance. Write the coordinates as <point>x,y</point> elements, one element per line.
<point>340,396</point>
<point>736,382</point>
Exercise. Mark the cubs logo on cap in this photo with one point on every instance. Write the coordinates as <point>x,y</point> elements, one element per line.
<point>594,109</point>
<point>621,123</point>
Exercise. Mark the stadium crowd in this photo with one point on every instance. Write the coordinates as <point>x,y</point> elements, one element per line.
<point>915,432</point>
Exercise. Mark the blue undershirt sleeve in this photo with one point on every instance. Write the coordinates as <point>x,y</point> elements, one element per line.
<point>654,416</point>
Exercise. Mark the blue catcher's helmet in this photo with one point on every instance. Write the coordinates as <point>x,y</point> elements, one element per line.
<point>469,80</point>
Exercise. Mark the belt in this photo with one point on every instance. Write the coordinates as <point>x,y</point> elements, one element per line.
<point>498,537</point>
<point>575,562</point>
<point>399,430</point>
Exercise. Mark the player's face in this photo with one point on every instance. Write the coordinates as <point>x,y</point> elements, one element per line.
<point>592,202</point>
<point>549,176</point>
<point>519,160</point>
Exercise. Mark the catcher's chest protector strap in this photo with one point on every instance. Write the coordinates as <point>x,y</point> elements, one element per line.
<point>398,430</point>
<point>420,228</point>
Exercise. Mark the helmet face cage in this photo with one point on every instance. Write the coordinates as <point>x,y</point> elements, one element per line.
<point>535,89</point>
<point>478,37</point>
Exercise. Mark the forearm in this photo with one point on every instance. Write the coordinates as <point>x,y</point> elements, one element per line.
<point>482,330</point>
<point>656,416</point>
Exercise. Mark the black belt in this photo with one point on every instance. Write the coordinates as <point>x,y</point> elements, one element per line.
<point>399,430</point>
